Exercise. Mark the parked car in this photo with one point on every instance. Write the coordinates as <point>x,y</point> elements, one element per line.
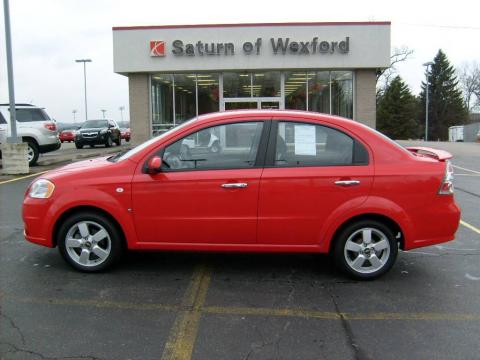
<point>3,137</point>
<point>98,132</point>
<point>292,182</point>
<point>67,135</point>
<point>34,127</point>
<point>126,134</point>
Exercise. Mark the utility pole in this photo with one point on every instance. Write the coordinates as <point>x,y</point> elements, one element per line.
<point>84,61</point>
<point>74,112</point>
<point>427,64</point>
<point>121,108</point>
<point>103,112</point>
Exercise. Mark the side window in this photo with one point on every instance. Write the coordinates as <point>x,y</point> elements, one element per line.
<point>2,119</point>
<point>231,146</point>
<point>28,115</point>
<point>305,144</point>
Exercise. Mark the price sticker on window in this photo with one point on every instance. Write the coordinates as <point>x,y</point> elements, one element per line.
<point>305,140</point>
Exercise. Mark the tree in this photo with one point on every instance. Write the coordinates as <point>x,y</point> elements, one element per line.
<point>385,76</point>
<point>469,80</point>
<point>446,106</point>
<point>397,111</point>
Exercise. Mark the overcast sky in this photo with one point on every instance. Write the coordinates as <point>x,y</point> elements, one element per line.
<point>48,35</point>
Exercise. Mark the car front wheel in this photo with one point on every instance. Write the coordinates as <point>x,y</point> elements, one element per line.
<point>89,242</point>
<point>108,142</point>
<point>78,145</point>
<point>365,250</point>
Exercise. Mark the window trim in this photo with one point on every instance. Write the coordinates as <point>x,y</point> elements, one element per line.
<point>272,145</point>
<point>260,157</point>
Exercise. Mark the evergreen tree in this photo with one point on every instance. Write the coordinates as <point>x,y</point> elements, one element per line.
<point>397,111</point>
<point>445,105</point>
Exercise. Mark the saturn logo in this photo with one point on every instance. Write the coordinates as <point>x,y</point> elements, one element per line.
<point>157,48</point>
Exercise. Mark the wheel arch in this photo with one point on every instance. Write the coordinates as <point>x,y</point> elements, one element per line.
<point>28,137</point>
<point>392,224</point>
<point>86,208</point>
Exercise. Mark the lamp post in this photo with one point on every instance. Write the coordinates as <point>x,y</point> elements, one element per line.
<point>121,108</point>
<point>74,112</point>
<point>427,64</point>
<point>84,61</point>
<point>103,112</point>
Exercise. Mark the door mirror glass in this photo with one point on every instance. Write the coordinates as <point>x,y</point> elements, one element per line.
<point>154,165</point>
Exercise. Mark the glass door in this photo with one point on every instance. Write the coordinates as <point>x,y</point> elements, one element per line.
<point>251,104</point>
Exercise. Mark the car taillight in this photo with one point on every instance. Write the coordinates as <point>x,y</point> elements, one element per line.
<point>446,187</point>
<point>50,126</point>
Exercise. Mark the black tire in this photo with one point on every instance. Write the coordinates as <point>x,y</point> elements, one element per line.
<point>127,139</point>
<point>78,145</point>
<point>119,141</point>
<point>33,152</point>
<point>344,259</point>
<point>92,146</point>
<point>61,141</point>
<point>116,243</point>
<point>108,141</point>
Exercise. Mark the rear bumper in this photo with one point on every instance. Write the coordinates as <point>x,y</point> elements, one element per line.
<point>50,147</point>
<point>435,224</point>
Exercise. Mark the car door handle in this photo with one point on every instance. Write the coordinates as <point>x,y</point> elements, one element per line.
<point>347,182</point>
<point>234,185</point>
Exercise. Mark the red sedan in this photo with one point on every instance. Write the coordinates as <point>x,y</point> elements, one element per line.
<point>67,135</point>
<point>278,181</point>
<point>125,134</point>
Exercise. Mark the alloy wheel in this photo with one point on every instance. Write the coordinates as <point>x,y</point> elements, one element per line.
<point>88,243</point>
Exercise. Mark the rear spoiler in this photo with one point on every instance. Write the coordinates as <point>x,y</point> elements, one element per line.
<point>440,155</point>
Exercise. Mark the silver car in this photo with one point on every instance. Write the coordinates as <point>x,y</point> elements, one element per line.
<point>35,128</point>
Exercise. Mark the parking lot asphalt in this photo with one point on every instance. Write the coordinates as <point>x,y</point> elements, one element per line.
<point>170,305</point>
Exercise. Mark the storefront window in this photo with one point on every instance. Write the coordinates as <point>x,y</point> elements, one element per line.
<point>162,104</point>
<point>266,84</point>
<point>319,91</point>
<point>185,101</point>
<point>295,90</point>
<point>236,85</point>
<point>342,93</point>
<point>208,95</point>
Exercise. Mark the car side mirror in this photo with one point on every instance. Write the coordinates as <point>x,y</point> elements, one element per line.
<point>154,165</point>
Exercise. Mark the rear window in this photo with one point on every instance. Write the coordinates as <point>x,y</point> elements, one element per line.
<point>95,124</point>
<point>28,115</point>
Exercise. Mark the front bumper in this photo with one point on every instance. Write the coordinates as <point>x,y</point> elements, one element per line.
<point>99,139</point>
<point>35,220</point>
<point>50,147</point>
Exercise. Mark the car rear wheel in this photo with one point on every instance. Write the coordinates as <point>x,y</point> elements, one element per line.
<point>89,242</point>
<point>32,152</point>
<point>108,142</point>
<point>365,250</point>
<point>78,145</point>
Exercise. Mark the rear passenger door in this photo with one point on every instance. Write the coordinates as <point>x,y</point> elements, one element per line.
<point>311,172</point>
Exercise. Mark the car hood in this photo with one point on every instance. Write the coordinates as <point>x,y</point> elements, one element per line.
<point>90,129</point>
<point>79,167</point>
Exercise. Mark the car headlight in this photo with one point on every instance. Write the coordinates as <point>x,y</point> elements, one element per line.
<point>41,189</point>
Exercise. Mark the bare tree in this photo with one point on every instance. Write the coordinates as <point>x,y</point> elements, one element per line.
<point>469,80</point>
<point>385,76</point>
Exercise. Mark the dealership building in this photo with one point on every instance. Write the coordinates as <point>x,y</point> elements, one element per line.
<point>178,72</point>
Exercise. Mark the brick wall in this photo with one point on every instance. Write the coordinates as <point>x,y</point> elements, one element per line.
<point>139,97</point>
<point>365,92</point>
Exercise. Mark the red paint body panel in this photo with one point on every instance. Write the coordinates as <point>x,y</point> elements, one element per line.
<point>294,209</point>
<point>66,135</point>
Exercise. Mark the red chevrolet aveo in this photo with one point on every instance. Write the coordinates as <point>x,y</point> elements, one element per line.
<point>252,181</point>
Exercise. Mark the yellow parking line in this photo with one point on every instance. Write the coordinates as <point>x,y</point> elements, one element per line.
<point>22,177</point>
<point>471,227</point>
<point>181,340</point>
<point>183,335</point>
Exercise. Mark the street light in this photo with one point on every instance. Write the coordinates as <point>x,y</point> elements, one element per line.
<point>427,64</point>
<point>121,108</point>
<point>103,113</point>
<point>84,61</point>
<point>74,112</point>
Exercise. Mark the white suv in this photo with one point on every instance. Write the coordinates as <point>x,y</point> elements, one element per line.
<point>35,128</point>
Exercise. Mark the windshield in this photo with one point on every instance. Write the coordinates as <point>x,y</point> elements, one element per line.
<point>94,124</point>
<point>137,149</point>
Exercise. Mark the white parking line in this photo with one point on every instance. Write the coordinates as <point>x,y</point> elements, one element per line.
<point>462,168</point>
